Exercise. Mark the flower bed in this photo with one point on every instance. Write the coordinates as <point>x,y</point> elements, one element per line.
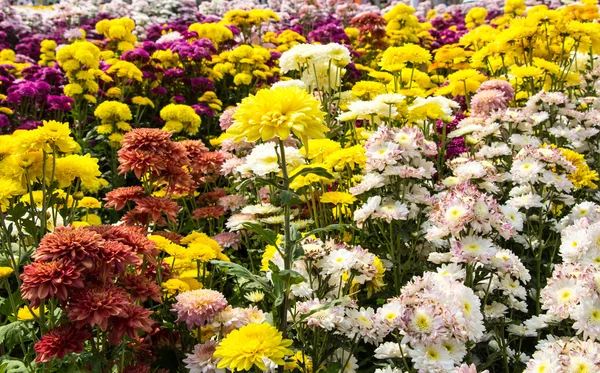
<point>299,186</point>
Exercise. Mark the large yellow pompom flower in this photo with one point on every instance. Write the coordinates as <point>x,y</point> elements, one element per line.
<point>247,346</point>
<point>276,113</point>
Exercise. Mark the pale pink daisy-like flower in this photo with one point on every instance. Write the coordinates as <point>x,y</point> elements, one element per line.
<point>468,369</point>
<point>232,165</point>
<point>202,359</point>
<point>197,307</point>
<point>391,210</point>
<point>236,222</point>
<point>228,240</point>
<point>565,355</point>
<point>232,202</point>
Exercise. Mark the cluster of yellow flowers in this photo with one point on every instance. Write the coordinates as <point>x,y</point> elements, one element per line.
<point>46,153</point>
<point>215,32</point>
<point>246,64</point>
<point>403,26</point>
<point>118,32</point>
<point>113,117</point>
<point>180,118</point>
<point>47,53</point>
<point>248,18</point>
<point>188,260</point>
<point>285,40</point>
<point>81,63</point>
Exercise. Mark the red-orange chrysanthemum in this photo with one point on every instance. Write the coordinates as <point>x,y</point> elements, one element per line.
<point>77,245</point>
<point>42,280</point>
<point>140,287</point>
<point>156,206</point>
<point>214,212</point>
<point>119,197</point>
<point>97,304</point>
<point>136,318</point>
<point>58,342</point>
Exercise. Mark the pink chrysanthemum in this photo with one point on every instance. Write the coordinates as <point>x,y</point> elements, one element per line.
<point>202,360</point>
<point>197,307</point>
<point>500,85</point>
<point>486,102</point>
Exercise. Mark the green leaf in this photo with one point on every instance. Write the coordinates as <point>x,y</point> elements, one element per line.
<point>10,334</point>
<point>287,197</point>
<point>239,271</point>
<point>291,276</point>
<point>269,236</point>
<point>11,365</point>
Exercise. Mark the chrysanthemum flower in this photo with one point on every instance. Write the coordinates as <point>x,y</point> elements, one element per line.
<point>79,246</point>
<point>60,341</point>
<point>5,272</point>
<point>276,113</point>
<point>97,304</point>
<point>42,280</point>
<point>202,359</point>
<point>119,197</point>
<point>135,318</point>
<point>247,346</point>
<point>338,198</point>
<point>197,307</point>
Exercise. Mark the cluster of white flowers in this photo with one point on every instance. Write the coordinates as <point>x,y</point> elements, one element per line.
<point>321,65</point>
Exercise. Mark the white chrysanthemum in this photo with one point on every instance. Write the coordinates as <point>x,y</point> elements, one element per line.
<point>526,170</point>
<point>264,159</point>
<point>470,170</point>
<point>514,216</point>
<point>289,83</point>
<point>432,358</point>
<point>390,98</point>
<point>261,209</point>
<point>366,210</point>
<point>388,369</point>
<point>323,76</point>
<point>391,210</point>
<point>371,110</point>
<point>337,262</point>
<point>587,318</point>
<point>368,182</point>
<point>388,350</point>
<point>171,36</point>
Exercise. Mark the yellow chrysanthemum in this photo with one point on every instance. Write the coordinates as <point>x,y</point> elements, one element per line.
<point>25,314</point>
<point>269,254</point>
<point>58,134</point>
<point>276,113</point>
<point>8,189</point>
<point>246,347</point>
<point>583,175</point>
<point>338,198</point>
<point>89,203</point>
<point>180,118</point>
<point>5,272</point>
